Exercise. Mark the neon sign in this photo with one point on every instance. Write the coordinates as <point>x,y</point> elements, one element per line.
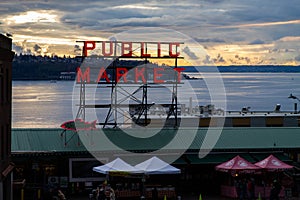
<point>132,49</point>
<point>121,49</point>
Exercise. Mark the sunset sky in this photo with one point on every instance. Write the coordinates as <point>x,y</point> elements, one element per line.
<point>231,31</point>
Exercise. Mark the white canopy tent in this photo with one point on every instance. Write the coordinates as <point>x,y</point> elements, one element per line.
<point>155,165</point>
<point>117,165</point>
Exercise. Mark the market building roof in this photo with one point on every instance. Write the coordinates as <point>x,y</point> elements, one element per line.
<point>231,139</point>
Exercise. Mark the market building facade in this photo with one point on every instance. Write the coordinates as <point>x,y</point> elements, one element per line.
<point>46,159</point>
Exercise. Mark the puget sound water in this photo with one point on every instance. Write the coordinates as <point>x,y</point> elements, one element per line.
<point>45,104</point>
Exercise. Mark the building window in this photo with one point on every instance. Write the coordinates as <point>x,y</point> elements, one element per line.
<point>79,165</point>
<point>241,122</point>
<point>274,121</point>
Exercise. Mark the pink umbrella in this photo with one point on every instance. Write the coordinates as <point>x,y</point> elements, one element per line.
<point>272,163</point>
<point>237,164</point>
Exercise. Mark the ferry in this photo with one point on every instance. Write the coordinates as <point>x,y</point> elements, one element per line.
<point>67,75</point>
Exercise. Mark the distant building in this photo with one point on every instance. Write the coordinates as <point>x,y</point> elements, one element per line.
<point>6,167</point>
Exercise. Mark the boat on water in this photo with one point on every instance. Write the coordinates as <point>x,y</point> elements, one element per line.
<point>67,76</point>
<point>189,76</point>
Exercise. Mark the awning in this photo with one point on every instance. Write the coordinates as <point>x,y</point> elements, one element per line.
<point>237,164</point>
<point>216,158</point>
<point>116,167</point>
<point>155,165</point>
<point>272,163</point>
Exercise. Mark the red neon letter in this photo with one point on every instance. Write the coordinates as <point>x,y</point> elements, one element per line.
<point>158,49</point>
<point>142,51</point>
<point>102,74</point>
<point>110,49</point>
<point>171,50</point>
<point>88,45</point>
<point>179,70</point>
<point>85,76</point>
<point>156,75</point>
<point>119,75</point>
<point>128,48</point>
<point>139,74</point>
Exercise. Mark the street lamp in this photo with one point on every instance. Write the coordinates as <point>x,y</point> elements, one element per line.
<point>295,105</point>
<point>293,97</point>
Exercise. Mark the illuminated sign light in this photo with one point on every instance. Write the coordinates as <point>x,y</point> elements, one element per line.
<point>132,49</point>
<point>121,72</point>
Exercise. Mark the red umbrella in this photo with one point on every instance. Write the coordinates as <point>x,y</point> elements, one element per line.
<point>237,164</point>
<point>272,163</point>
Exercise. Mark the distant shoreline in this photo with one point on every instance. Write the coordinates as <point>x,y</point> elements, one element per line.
<point>248,68</point>
<point>188,69</point>
<point>29,67</point>
<point>37,79</point>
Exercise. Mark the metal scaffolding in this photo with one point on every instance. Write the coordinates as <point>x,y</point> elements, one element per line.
<point>141,104</point>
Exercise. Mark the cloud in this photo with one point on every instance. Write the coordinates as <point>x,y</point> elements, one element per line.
<point>77,50</point>
<point>257,41</point>
<point>264,13</point>
<point>290,39</point>
<point>41,16</point>
<point>37,49</point>
<point>205,40</point>
<point>214,1</point>
<point>207,60</point>
<point>264,24</point>
<point>219,59</point>
<point>297,58</point>
<point>191,54</point>
<point>21,47</point>
<point>18,49</point>
<point>212,22</point>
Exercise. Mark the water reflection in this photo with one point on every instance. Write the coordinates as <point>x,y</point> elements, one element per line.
<point>41,104</point>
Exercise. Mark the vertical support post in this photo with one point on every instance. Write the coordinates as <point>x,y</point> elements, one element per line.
<point>11,185</point>
<point>113,95</point>
<point>22,194</point>
<point>81,110</point>
<point>39,194</point>
<point>191,106</point>
<point>115,88</point>
<point>145,92</point>
<point>1,190</point>
<point>175,93</point>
